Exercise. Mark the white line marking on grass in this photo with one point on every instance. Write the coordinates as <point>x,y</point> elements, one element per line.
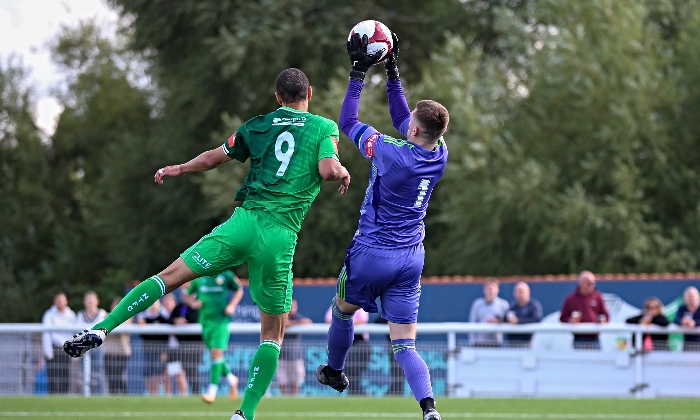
<point>352,414</point>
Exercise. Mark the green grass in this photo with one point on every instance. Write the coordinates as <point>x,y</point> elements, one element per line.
<point>351,408</point>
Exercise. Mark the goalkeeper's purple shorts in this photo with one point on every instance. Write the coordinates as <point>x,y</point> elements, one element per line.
<point>392,275</point>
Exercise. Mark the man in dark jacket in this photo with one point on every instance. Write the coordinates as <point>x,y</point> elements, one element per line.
<point>524,310</point>
<point>586,304</point>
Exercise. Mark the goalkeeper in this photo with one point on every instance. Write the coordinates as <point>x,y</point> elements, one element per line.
<point>385,258</point>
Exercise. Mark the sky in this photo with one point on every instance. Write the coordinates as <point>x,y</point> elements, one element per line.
<point>26,26</point>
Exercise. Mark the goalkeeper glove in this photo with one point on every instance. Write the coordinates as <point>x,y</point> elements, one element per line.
<point>391,62</point>
<point>361,61</point>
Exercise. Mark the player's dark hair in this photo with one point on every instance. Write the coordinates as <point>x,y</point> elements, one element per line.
<point>433,118</point>
<point>292,86</point>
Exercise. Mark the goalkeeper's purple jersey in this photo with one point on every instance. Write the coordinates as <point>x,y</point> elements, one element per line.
<point>402,177</point>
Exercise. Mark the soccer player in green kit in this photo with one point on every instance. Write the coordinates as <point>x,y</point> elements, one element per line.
<point>210,295</point>
<point>291,151</point>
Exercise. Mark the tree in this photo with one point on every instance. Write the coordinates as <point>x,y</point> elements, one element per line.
<point>32,203</point>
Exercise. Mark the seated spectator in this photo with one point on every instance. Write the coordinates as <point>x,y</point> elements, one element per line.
<point>117,350</point>
<point>688,316</point>
<point>653,313</point>
<point>586,304</point>
<point>190,347</point>
<point>490,309</point>
<point>524,310</point>
<point>155,349</point>
<point>291,371</point>
<point>173,366</point>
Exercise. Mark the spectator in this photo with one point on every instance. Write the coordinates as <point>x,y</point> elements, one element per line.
<point>358,356</point>
<point>87,318</point>
<point>523,310</point>
<point>653,313</point>
<point>490,309</point>
<point>155,349</point>
<point>688,316</point>
<point>291,370</point>
<point>117,350</point>
<point>57,362</point>
<point>586,304</point>
<point>190,348</point>
<point>173,366</point>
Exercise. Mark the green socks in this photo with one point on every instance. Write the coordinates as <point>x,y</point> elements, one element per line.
<point>137,300</point>
<point>217,368</point>
<point>225,367</point>
<point>262,371</point>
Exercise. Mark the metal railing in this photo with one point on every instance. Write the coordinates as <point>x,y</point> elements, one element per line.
<point>161,367</point>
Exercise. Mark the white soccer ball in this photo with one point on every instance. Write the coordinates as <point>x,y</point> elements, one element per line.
<point>379,37</point>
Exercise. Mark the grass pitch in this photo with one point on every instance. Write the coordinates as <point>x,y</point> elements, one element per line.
<point>389,408</point>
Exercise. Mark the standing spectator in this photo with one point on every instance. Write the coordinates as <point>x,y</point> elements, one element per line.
<point>358,355</point>
<point>155,349</point>
<point>586,304</point>
<point>291,370</point>
<point>87,318</point>
<point>688,316</point>
<point>490,309</point>
<point>57,362</point>
<point>523,310</point>
<point>653,313</point>
<point>117,353</point>
<point>190,347</point>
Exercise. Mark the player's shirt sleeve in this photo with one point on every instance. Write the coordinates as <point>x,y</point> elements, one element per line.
<point>367,138</point>
<point>328,147</point>
<point>398,107</point>
<point>236,147</point>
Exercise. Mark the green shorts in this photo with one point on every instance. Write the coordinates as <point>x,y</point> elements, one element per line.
<point>256,238</point>
<point>215,334</point>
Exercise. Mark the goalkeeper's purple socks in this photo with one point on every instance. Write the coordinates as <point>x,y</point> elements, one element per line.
<point>414,368</point>
<point>340,338</point>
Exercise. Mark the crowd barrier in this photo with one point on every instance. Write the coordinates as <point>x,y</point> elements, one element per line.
<point>548,365</point>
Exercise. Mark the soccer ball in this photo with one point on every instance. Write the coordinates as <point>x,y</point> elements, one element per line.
<point>379,37</point>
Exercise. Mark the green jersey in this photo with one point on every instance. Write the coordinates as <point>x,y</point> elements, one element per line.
<point>284,148</point>
<point>214,293</point>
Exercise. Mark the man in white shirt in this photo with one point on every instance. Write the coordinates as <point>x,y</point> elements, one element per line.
<point>490,309</point>
<point>57,362</point>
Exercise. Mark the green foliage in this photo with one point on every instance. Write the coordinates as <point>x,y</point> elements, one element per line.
<point>573,136</point>
<point>32,202</point>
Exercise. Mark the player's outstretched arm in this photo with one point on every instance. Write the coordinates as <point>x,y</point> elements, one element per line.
<point>398,107</point>
<point>204,162</point>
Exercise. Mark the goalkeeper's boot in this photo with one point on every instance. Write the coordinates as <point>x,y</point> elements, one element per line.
<point>208,398</point>
<point>238,415</point>
<point>83,341</point>
<point>431,414</point>
<point>339,383</point>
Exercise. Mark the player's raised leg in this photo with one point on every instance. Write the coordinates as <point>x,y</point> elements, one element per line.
<point>341,335</point>
<point>137,300</point>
